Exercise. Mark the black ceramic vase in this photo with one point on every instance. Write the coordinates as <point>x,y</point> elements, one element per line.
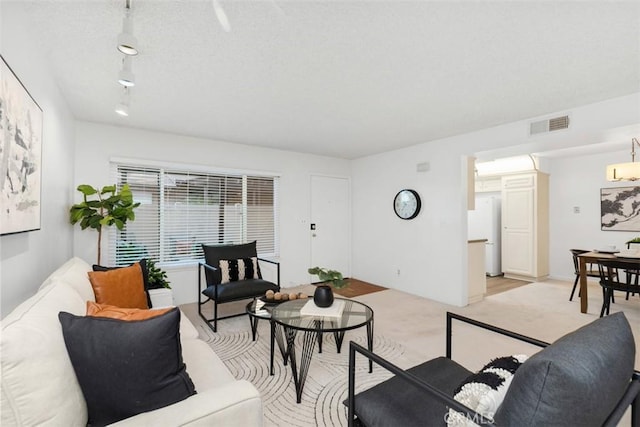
<point>323,296</point>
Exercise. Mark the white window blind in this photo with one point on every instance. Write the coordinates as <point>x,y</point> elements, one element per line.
<point>181,210</point>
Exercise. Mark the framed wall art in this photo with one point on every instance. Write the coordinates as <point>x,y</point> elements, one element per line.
<point>620,209</point>
<point>20,155</point>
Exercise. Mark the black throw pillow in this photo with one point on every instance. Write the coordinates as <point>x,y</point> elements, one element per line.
<point>145,276</point>
<point>125,368</point>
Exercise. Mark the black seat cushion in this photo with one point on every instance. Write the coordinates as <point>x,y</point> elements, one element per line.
<point>397,403</point>
<point>232,291</point>
<point>578,380</point>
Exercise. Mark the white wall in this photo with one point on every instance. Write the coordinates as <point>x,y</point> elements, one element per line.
<point>427,249</point>
<point>97,144</point>
<point>26,259</point>
<point>430,251</point>
<point>576,182</point>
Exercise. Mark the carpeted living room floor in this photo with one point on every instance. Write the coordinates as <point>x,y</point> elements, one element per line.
<point>407,337</point>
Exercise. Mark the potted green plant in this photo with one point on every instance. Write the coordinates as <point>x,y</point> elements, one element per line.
<point>323,295</point>
<point>157,276</point>
<point>634,240</point>
<point>102,208</point>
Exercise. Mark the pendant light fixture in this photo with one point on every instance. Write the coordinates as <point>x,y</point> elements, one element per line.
<point>127,43</point>
<point>625,171</point>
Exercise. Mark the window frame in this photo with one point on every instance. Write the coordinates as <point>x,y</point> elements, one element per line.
<point>163,169</point>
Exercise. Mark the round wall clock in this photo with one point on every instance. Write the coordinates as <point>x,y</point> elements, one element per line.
<point>407,204</point>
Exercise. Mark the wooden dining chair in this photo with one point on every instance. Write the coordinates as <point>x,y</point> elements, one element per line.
<point>592,271</point>
<point>612,279</point>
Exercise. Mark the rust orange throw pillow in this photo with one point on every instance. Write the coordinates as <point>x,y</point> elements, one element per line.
<point>113,312</point>
<point>122,287</point>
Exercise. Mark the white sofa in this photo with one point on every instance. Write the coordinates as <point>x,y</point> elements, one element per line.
<point>39,386</point>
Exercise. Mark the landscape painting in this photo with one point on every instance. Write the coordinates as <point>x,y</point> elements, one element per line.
<point>620,209</point>
<point>20,155</point>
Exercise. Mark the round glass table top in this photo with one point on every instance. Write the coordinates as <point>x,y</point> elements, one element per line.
<point>258,308</point>
<point>353,315</point>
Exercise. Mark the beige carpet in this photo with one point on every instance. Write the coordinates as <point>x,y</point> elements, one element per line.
<point>409,336</point>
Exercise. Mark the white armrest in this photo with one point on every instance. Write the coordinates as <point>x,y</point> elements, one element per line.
<point>236,403</point>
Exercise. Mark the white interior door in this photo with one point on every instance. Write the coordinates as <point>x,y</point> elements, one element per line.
<point>330,229</point>
<point>517,233</point>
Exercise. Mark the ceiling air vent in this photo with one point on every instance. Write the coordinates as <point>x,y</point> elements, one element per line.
<point>549,125</point>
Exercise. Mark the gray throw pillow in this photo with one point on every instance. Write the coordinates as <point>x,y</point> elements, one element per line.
<point>578,380</point>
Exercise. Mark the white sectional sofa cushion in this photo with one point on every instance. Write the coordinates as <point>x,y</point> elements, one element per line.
<point>38,382</point>
<point>39,385</point>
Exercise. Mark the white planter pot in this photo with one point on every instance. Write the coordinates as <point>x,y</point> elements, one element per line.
<point>161,298</point>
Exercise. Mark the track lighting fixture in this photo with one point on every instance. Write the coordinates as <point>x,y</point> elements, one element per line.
<point>127,43</point>
<point>126,77</point>
<point>123,107</point>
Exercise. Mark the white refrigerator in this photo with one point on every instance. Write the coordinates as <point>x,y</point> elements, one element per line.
<point>485,223</point>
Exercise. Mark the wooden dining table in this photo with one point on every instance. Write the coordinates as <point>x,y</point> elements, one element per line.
<point>588,258</point>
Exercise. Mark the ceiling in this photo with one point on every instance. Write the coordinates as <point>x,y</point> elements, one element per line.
<point>339,78</point>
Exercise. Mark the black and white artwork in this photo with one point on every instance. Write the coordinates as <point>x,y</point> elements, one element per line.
<point>620,209</point>
<point>20,155</point>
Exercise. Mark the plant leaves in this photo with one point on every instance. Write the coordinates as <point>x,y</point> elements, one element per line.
<point>95,221</point>
<point>334,277</point>
<point>76,214</point>
<point>87,190</point>
<point>126,194</point>
<point>108,189</point>
<point>113,200</point>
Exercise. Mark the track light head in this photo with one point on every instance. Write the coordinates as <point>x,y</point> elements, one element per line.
<point>125,76</point>
<point>122,109</point>
<point>127,44</point>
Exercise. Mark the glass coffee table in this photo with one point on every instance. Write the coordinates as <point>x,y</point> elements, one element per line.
<point>258,310</point>
<point>287,316</point>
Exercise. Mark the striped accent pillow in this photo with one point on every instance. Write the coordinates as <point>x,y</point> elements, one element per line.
<point>232,270</point>
<point>484,391</point>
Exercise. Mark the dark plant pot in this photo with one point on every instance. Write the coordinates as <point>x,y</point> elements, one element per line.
<point>323,296</point>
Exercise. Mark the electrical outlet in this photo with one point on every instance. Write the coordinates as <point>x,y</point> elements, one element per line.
<point>398,272</point>
<point>576,209</point>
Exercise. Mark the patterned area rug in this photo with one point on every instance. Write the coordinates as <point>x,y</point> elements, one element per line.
<point>327,381</point>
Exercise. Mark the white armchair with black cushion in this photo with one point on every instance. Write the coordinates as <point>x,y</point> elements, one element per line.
<point>232,273</point>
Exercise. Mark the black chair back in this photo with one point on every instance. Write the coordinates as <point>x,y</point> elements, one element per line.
<point>617,275</point>
<point>576,264</point>
<point>214,253</point>
<point>610,276</point>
